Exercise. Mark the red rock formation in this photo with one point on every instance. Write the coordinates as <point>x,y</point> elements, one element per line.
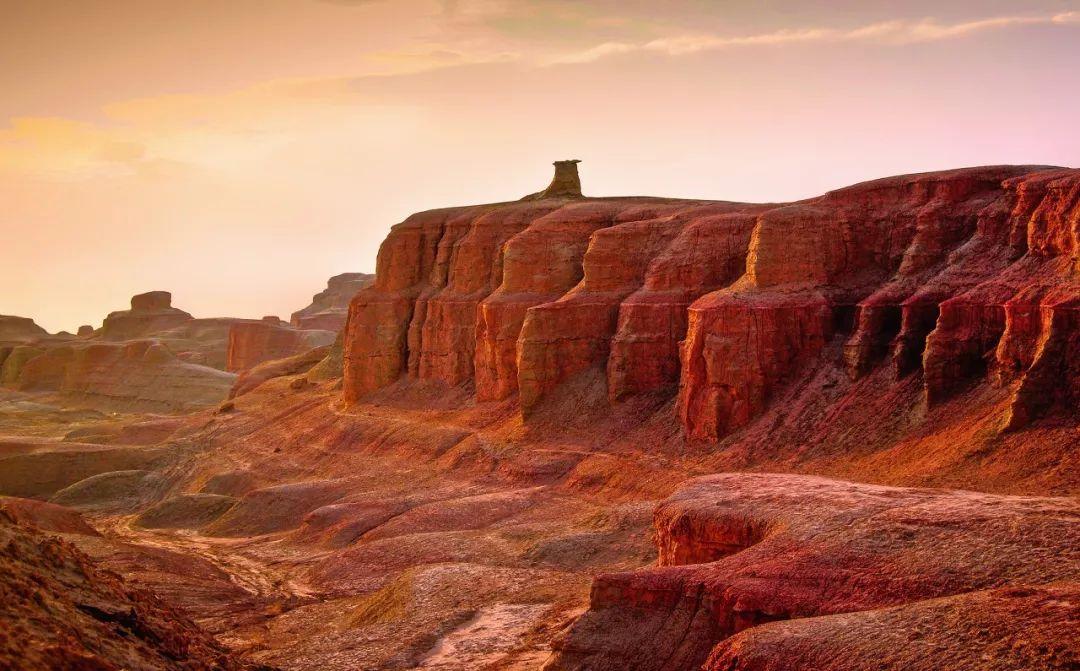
<point>139,374</point>
<point>330,307</point>
<point>19,329</point>
<point>252,343</point>
<point>293,365</point>
<point>46,516</point>
<point>740,550</point>
<point>540,264</point>
<point>149,313</point>
<point>59,611</point>
<point>993,630</point>
<point>729,302</point>
<point>468,267</point>
<point>565,184</point>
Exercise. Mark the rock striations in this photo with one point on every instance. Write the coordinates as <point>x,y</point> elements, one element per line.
<point>150,312</point>
<point>253,343</point>
<point>58,610</point>
<point>19,329</point>
<point>963,276</point>
<point>330,307</point>
<point>737,551</point>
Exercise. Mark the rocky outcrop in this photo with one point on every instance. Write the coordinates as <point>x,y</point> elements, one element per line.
<point>741,550</point>
<point>268,370</point>
<point>150,312</point>
<point>330,307</point>
<point>993,630</point>
<point>142,374</point>
<point>963,277</point>
<point>19,329</point>
<point>252,343</point>
<point>60,611</point>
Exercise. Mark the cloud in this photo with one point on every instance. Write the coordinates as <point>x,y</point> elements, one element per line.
<point>222,134</point>
<point>892,33</point>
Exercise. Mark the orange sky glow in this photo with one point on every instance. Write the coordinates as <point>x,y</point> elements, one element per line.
<point>239,153</point>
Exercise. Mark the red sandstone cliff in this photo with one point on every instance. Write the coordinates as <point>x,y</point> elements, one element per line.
<point>965,277</point>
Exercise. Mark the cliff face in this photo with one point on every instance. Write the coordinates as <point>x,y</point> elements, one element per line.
<point>254,342</point>
<point>330,307</point>
<point>142,374</point>
<point>963,276</point>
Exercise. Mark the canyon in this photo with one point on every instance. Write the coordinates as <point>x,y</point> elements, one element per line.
<point>567,432</point>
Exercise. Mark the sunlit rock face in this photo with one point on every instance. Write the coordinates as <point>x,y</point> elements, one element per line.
<point>964,276</point>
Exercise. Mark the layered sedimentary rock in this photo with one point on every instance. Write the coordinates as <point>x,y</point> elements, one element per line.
<point>268,370</point>
<point>992,630</point>
<point>204,341</point>
<point>252,343</point>
<point>19,329</point>
<point>150,312</point>
<point>566,183</point>
<point>139,373</point>
<point>330,307</point>
<point>60,611</point>
<point>740,550</point>
<point>963,277</point>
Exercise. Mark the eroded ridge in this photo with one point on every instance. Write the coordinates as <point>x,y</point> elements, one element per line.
<point>963,277</point>
<point>740,550</point>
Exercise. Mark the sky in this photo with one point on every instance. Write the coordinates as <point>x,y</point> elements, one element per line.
<point>240,153</point>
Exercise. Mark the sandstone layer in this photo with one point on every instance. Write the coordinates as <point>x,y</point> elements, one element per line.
<point>18,329</point>
<point>524,401</point>
<point>330,307</point>
<point>253,343</point>
<point>740,550</point>
<point>140,373</point>
<point>149,313</point>
<point>965,277</point>
<point>59,611</point>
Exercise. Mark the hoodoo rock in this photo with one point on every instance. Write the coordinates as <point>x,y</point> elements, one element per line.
<point>565,184</point>
<point>330,307</point>
<point>740,550</point>
<point>150,312</point>
<point>964,276</point>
